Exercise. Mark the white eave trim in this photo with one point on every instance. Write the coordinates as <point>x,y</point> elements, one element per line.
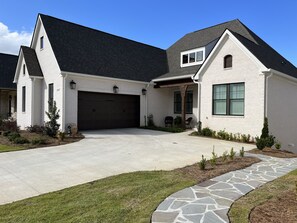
<point>100,77</point>
<point>173,78</point>
<point>228,34</point>
<point>35,77</point>
<point>278,73</point>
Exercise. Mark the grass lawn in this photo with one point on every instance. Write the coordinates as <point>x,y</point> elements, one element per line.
<point>130,197</point>
<point>6,148</point>
<point>270,194</point>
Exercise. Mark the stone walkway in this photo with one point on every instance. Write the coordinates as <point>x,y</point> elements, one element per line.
<point>209,201</point>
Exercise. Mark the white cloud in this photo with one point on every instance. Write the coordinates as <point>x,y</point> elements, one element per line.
<point>10,41</point>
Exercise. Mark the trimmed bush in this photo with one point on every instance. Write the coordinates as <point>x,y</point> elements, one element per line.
<point>9,125</point>
<point>265,129</point>
<point>178,121</point>
<point>35,128</point>
<point>38,141</point>
<point>270,141</point>
<point>278,145</point>
<point>12,136</point>
<point>241,152</point>
<point>260,143</point>
<point>202,163</point>
<point>232,154</point>
<point>206,132</point>
<point>225,156</point>
<point>52,126</point>
<point>20,140</point>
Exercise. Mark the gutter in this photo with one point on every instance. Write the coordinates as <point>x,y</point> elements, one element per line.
<point>64,77</point>
<point>198,99</point>
<point>267,74</point>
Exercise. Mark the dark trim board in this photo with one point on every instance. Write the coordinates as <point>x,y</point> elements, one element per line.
<point>107,111</point>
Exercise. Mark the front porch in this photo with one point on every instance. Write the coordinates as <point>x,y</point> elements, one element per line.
<point>7,103</point>
<point>178,98</point>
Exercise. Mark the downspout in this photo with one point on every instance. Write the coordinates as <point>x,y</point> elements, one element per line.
<point>63,101</point>
<point>198,101</point>
<point>32,100</point>
<point>267,76</point>
<point>146,103</point>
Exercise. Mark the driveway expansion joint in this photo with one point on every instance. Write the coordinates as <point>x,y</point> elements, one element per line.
<point>211,200</point>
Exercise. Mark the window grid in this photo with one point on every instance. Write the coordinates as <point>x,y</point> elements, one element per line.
<point>178,102</point>
<point>229,102</point>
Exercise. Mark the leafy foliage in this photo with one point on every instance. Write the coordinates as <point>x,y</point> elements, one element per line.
<point>52,126</point>
<point>206,132</point>
<point>265,129</point>
<point>232,154</point>
<point>241,152</point>
<point>202,163</point>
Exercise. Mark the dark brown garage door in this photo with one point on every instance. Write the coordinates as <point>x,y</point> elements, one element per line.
<point>106,111</point>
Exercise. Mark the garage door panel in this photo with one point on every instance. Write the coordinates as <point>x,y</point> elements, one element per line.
<point>103,111</point>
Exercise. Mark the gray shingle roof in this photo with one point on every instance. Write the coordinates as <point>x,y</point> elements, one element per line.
<point>209,36</point>
<point>32,63</point>
<point>84,50</point>
<point>7,70</point>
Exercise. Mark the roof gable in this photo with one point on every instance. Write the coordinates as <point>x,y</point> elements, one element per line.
<point>83,50</point>
<point>7,70</point>
<point>32,62</point>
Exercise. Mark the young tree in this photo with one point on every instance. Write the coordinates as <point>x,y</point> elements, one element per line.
<point>52,126</point>
<point>265,130</point>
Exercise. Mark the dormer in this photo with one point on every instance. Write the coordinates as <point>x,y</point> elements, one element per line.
<point>192,57</point>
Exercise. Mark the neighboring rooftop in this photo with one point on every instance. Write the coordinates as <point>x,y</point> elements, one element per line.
<point>84,50</point>
<point>32,63</point>
<point>8,64</point>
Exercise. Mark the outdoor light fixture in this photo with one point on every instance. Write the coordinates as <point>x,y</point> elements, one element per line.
<point>115,89</point>
<point>72,85</point>
<point>143,91</point>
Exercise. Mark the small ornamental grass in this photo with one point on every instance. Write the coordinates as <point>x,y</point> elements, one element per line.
<point>232,154</point>
<point>241,152</point>
<point>202,163</point>
<point>225,156</point>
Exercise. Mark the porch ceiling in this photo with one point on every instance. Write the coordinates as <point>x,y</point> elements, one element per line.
<point>174,83</point>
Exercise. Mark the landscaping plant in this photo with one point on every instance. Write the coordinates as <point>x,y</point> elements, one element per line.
<point>206,132</point>
<point>241,152</point>
<point>265,129</point>
<point>202,163</point>
<point>213,160</point>
<point>225,156</point>
<point>232,154</point>
<point>52,126</point>
<point>278,145</point>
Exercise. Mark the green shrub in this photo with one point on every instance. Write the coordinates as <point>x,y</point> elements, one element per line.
<point>9,125</point>
<point>245,138</point>
<point>52,126</point>
<point>260,143</point>
<point>278,145</point>
<point>178,121</point>
<point>206,132</point>
<point>241,152</point>
<point>213,160</point>
<point>20,140</point>
<point>35,128</point>
<point>225,156</point>
<point>202,163</point>
<point>213,134</point>
<point>265,129</point>
<point>6,133</point>
<point>232,154</point>
<point>38,141</point>
<point>269,141</point>
<point>12,136</point>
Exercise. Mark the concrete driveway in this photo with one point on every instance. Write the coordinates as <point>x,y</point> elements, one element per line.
<point>101,154</point>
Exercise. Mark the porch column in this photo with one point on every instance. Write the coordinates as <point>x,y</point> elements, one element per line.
<point>183,90</point>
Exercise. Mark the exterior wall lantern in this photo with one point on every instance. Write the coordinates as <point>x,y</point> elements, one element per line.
<point>72,85</point>
<point>143,91</point>
<point>115,89</point>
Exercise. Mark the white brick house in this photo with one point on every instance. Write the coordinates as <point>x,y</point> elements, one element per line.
<point>224,76</point>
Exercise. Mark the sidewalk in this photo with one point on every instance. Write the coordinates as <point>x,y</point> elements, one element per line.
<point>210,201</point>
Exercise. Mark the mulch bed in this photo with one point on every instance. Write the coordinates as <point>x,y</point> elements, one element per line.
<point>274,153</point>
<point>282,209</point>
<point>220,168</point>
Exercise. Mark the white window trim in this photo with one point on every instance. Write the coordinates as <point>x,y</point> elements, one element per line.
<point>192,51</point>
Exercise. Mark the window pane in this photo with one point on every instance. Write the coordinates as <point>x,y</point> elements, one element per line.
<point>41,42</point>
<point>219,107</point>
<point>236,107</point>
<point>177,102</point>
<point>227,61</point>
<point>236,91</point>
<point>185,59</point>
<point>189,102</point>
<point>220,92</point>
<point>199,56</point>
<point>23,99</point>
<point>192,57</point>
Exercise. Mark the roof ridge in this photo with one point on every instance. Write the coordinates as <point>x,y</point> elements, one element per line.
<point>8,54</point>
<point>97,30</point>
<point>233,20</point>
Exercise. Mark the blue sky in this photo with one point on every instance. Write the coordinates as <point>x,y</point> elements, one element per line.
<point>156,22</point>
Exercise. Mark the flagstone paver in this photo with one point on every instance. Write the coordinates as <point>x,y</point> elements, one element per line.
<point>210,201</point>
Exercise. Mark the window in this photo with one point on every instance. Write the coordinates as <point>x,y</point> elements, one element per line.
<point>228,99</point>
<point>51,94</point>
<point>41,43</point>
<point>178,102</point>
<point>228,61</point>
<point>192,57</point>
<point>24,69</point>
<point>23,99</point>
